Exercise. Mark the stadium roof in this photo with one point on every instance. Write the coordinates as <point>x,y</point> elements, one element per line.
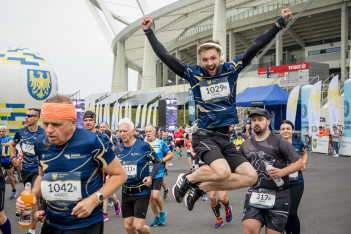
<point>142,98</point>
<point>182,98</point>
<point>113,97</point>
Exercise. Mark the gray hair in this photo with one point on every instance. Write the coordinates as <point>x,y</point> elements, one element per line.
<point>3,126</point>
<point>127,121</point>
<point>150,125</point>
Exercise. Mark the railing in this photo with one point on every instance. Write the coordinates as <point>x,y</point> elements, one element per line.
<point>242,15</point>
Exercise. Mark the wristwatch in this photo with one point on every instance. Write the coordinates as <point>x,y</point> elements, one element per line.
<point>100,197</point>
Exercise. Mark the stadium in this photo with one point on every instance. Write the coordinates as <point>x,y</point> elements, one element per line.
<point>314,40</point>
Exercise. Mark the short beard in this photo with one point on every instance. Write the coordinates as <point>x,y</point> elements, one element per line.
<point>260,131</point>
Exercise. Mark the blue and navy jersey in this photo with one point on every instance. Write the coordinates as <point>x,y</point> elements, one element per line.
<point>215,96</point>
<point>299,147</point>
<point>28,139</point>
<point>135,161</point>
<point>80,161</point>
<point>104,139</point>
<point>6,139</point>
<point>168,139</point>
<point>160,149</point>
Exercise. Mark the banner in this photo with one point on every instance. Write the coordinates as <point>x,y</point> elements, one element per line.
<point>80,108</point>
<point>120,112</point>
<point>292,104</point>
<point>347,102</point>
<point>126,112</point>
<point>305,93</point>
<point>171,114</point>
<point>108,115</point>
<point>345,146</point>
<point>149,112</point>
<point>116,113</point>
<point>320,144</point>
<point>137,115</point>
<point>314,108</point>
<point>154,117</point>
<point>192,107</point>
<point>143,116</point>
<point>130,111</point>
<point>333,102</point>
<point>100,113</point>
<point>97,114</point>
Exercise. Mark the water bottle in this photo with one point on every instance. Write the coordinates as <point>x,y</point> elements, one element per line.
<point>27,214</point>
<point>278,181</point>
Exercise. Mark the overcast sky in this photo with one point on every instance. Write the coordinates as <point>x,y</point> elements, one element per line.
<point>65,34</point>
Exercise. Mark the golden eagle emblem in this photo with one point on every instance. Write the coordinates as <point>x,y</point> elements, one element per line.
<point>39,84</point>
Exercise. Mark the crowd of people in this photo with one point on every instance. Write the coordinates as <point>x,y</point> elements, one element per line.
<point>75,172</point>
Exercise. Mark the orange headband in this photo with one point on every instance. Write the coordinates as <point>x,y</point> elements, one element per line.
<point>58,111</point>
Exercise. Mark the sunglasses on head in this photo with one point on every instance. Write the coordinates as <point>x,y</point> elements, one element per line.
<point>29,115</point>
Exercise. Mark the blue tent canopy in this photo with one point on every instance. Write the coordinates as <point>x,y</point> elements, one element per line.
<point>263,96</point>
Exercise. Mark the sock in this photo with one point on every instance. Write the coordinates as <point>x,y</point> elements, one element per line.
<point>6,227</point>
<point>226,205</point>
<point>31,231</point>
<point>215,209</point>
<point>177,154</point>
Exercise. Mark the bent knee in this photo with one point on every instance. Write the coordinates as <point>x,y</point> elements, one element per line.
<point>223,175</point>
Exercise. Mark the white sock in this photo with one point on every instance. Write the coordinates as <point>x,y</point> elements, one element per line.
<point>31,231</point>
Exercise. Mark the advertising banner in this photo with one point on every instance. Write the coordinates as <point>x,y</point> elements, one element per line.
<point>137,116</point>
<point>347,102</point>
<point>143,116</point>
<point>149,112</point>
<point>320,144</point>
<point>80,108</point>
<point>305,93</point>
<point>292,104</point>
<point>171,113</point>
<point>345,146</point>
<point>314,108</point>
<point>192,107</point>
<point>333,102</point>
<point>154,117</point>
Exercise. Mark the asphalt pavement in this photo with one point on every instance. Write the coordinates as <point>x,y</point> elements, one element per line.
<point>325,206</point>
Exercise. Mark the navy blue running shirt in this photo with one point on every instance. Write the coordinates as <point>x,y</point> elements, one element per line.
<point>72,172</point>
<point>28,139</point>
<point>135,161</point>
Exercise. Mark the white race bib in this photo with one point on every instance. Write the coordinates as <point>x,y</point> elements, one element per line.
<point>29,149</point>
<point>131,170</point>
<point>263,198</point>
<point>61,186</point>
<point>214,90</point>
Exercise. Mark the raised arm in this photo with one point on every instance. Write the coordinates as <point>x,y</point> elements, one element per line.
<point>171,61</point>
<point>265,38</point>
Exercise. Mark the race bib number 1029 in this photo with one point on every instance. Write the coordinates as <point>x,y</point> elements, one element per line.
<point>214,90</point>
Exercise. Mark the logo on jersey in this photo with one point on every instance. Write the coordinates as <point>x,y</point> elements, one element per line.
<point>314,143</point>
<point>54,176</point>
<point>39,83</point>
<point>346,108</point>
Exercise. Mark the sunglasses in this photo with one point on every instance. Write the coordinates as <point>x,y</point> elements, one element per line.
<point>29,115</point>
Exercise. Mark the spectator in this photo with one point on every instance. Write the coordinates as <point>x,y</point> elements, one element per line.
<point>272,119</point>
<point>336,140</point>
<point>322,131</point>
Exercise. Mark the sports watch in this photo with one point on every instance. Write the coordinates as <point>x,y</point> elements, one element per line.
<point>100,197</point>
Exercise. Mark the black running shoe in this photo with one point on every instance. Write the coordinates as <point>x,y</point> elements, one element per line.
<point>180,188</point>
<point>193,194</point>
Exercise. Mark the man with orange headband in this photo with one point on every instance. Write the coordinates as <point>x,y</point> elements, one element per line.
<point>70,175</point>
<point>214,88</point>
<point>27,136</point>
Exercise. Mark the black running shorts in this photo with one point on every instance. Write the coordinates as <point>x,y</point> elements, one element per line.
<point>211,146</point>
<point>28,177</point>
<point>274,218</point>
<point>157,183</point>
<point>135,206</point>
<point>7,165</point>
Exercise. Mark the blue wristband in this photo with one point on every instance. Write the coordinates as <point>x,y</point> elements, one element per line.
<point>280,23</point>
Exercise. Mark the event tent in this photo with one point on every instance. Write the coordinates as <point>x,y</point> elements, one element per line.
<point>270,97</point>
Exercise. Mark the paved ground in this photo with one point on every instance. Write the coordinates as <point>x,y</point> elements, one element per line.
<point>325,205</point>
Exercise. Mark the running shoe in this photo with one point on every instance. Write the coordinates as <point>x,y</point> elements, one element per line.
<point>165,194</point>
<point>109,203</point>
<point>205,197</point>
<point>219,223</point>
<point>193,194</point>
<point>155,222</point>
<point>181,187</point>
<point>105,217</point>
<point>228,214</point>
<point>117,208</point>
<point>13,194</point>
<point>162,219</point>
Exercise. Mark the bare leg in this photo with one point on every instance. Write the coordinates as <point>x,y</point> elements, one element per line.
<point>251,226</point>
<point>11,178</point>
